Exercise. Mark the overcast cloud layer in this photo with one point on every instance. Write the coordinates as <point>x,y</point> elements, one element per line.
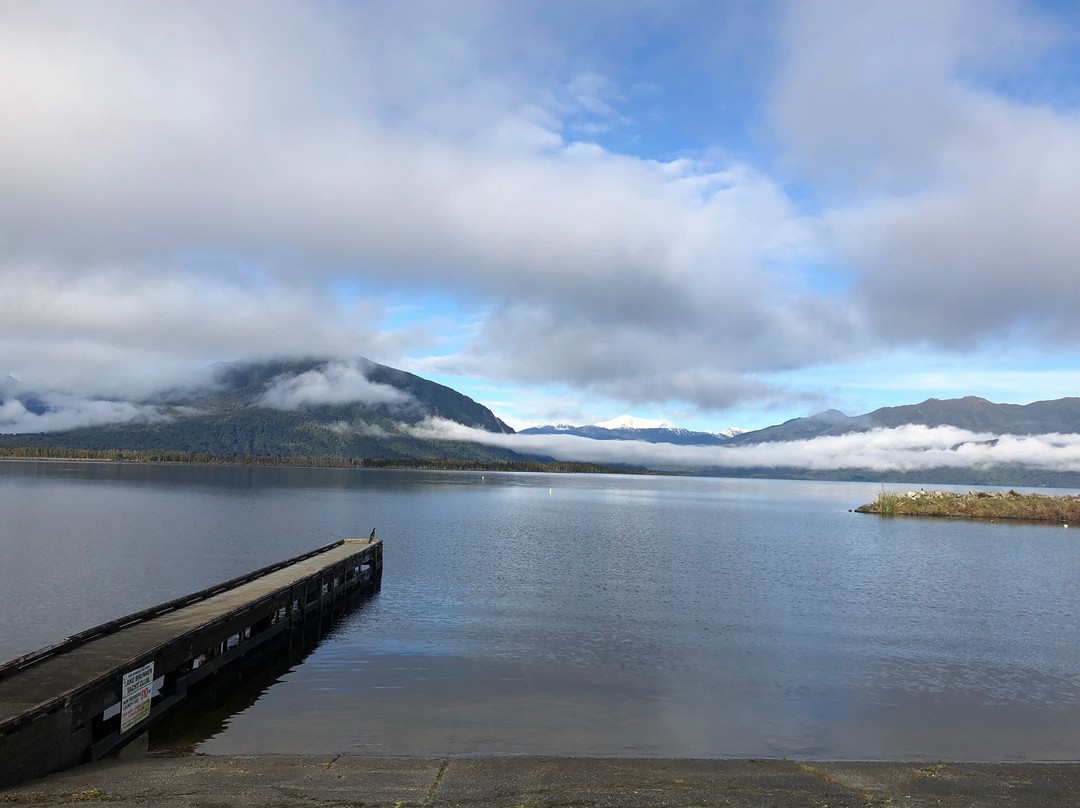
<point>775,188</point>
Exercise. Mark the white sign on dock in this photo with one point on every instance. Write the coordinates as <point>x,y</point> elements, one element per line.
<point>135,699</point>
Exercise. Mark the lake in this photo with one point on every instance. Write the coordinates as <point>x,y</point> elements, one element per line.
<point>580,614</point>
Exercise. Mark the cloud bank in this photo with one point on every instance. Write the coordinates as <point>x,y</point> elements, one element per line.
<point>189,182</point>
<point>906,448</point>
<point>333,383</point>
<point>69,412</point>
<point>954,200</point>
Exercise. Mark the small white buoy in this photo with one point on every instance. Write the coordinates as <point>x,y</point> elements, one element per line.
<point>549,490</point>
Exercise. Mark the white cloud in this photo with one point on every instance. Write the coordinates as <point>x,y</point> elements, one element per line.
<point>951,201</point>
<point>125,332</point>
<point>332,383</point>
<point>69,412</point>
<point>186,182</point>
<point>907,448</point>
<point>385,148</point>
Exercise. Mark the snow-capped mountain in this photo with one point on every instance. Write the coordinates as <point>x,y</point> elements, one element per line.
<point>730,432</point>
<point>630,427</point>
<point>632,422</point>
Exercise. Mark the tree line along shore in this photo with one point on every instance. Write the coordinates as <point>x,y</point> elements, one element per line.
<point>206,458</point>
<point>988,505</point>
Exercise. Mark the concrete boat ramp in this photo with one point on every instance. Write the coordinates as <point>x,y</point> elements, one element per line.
<point>523,782</point>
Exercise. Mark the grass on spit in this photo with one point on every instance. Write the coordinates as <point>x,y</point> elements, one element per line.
<point>990,505</point>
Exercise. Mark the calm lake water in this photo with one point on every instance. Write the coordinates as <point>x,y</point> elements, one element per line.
<point>580,615</point>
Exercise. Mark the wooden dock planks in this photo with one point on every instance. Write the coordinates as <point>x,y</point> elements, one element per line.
<point>81,678</point>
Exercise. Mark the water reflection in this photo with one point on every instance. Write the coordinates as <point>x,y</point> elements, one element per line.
<point>587,615</point>
<point>208,710</point>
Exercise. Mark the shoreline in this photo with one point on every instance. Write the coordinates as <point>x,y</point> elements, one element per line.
<point>177,458</point>
<point>138,779</point>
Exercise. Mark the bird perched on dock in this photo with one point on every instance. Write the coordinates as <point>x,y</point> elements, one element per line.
<point>372,536</point>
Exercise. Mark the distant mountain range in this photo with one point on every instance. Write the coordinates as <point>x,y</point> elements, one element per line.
<point>360,409</point>
<point>627,427</point>
<point>290,408</point>
<point>971,413</point>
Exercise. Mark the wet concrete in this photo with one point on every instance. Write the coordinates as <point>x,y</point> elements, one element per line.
<point>531,782</point>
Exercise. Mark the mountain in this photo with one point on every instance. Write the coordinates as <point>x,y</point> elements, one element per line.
<point>811,426</point>
<point>979,415</point>
<point>309,386</point>
<point>359,409</point>
<point>970,413</point>
<point>291,408</point>
<point>633,422</point>
<point>628,427</point>
<point>730,432</point>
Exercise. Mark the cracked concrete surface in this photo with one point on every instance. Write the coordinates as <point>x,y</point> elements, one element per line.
<point>528,782</point>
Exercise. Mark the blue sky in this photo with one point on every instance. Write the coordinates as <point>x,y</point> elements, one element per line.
<point>717,213</point>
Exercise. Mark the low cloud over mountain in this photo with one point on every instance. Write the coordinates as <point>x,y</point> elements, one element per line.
<point>309,407</point>
<point>907,448</point>
<point>357,408</point>
<point>335,382</point>
<point>58,412</point>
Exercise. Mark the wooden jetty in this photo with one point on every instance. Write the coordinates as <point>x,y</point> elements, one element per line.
<point>94,692</point>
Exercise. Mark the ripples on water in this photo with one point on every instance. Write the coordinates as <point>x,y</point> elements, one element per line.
<point>582,615</point>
